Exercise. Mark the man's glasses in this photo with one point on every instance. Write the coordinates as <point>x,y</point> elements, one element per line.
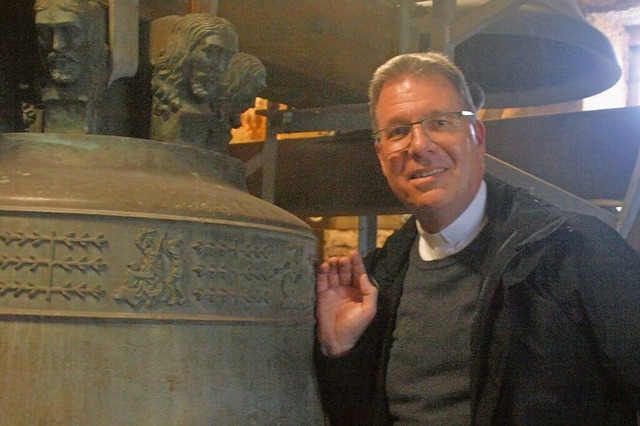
<point>438,128</point>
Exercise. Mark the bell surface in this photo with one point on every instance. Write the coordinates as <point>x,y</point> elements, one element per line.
<point>140,284</point>
<point>543,52</point>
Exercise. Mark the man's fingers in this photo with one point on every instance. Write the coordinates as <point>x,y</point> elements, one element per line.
<point>356,264</point>
<point>344,271</point>
<point>366,288</point>
<point>369,296</point>
<point>322,278</point>
<point>328,275</point>
<point>332,275</point>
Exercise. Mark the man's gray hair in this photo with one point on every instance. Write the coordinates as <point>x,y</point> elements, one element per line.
<point>418,64</point>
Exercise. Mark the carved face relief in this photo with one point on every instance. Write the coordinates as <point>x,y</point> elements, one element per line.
<point>209,61</point>
<point>63,40</point>
<point>252,89</point>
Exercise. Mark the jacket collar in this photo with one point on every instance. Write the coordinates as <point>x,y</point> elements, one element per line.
<point>515,216</point>
<point>510,209</point>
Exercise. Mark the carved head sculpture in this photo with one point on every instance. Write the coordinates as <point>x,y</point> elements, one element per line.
<point>72,38</point>
<point>146,240</point>
<point>245,79</point>
<point>190,69</point>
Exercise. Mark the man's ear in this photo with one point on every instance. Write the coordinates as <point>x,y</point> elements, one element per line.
<point>480,136</point>
<point>380,155</point>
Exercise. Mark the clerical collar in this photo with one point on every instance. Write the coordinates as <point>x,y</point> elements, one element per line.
<point>459,234</point>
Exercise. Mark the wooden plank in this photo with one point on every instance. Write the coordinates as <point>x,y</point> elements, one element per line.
<point>590,154</point>
<point>204,6</point>
<point>154,9</point>
<point>546,191</point>
<point>333,176</point>
<point>330,41</point>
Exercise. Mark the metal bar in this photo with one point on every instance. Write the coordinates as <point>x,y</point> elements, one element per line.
<point>123,38</point>
<point>367,234</point>
<point>269,156</point>
<point>634,75</point>
<point>269,159</point>
<point>253,164</point>
<point>341,118</point>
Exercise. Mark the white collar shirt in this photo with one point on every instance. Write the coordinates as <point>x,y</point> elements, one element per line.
<point>458,234</point>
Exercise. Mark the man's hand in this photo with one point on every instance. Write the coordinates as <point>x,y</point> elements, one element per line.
<point>346,303</point>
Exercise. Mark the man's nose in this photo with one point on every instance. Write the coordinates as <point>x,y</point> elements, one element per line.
<point>420,140</point>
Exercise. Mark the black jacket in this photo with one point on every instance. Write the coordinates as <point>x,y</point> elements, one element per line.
<point>556,338</point>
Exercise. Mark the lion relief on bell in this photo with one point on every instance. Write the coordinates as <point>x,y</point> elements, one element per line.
<point>158,276</point>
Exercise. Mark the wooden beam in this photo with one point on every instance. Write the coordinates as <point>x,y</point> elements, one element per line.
<point>154,9</point>
<point>204,6</point>
<point>335,42</point>
<point>546,191</point>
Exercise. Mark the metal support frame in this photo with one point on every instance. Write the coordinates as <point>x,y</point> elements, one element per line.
<point>367,233</point>
<point>269,158</point>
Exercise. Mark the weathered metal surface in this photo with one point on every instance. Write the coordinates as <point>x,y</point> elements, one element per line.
<point>138,286</point>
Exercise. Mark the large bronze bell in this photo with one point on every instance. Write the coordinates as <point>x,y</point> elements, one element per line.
<point>542,52</point>
<point>141,285</point>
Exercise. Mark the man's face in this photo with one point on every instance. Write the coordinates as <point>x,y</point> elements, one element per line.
<point>63,40</point>
<point>208,63</point>
<point>436,181</point>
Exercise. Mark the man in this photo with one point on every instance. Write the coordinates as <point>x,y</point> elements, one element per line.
<point>187,78</point>
<point>488,306</point>
<point>71,38</point>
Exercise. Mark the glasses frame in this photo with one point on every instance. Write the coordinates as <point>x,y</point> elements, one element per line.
<point>377,139</point>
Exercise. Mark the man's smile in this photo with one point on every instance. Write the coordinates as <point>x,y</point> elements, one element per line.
<point>425,173</point>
